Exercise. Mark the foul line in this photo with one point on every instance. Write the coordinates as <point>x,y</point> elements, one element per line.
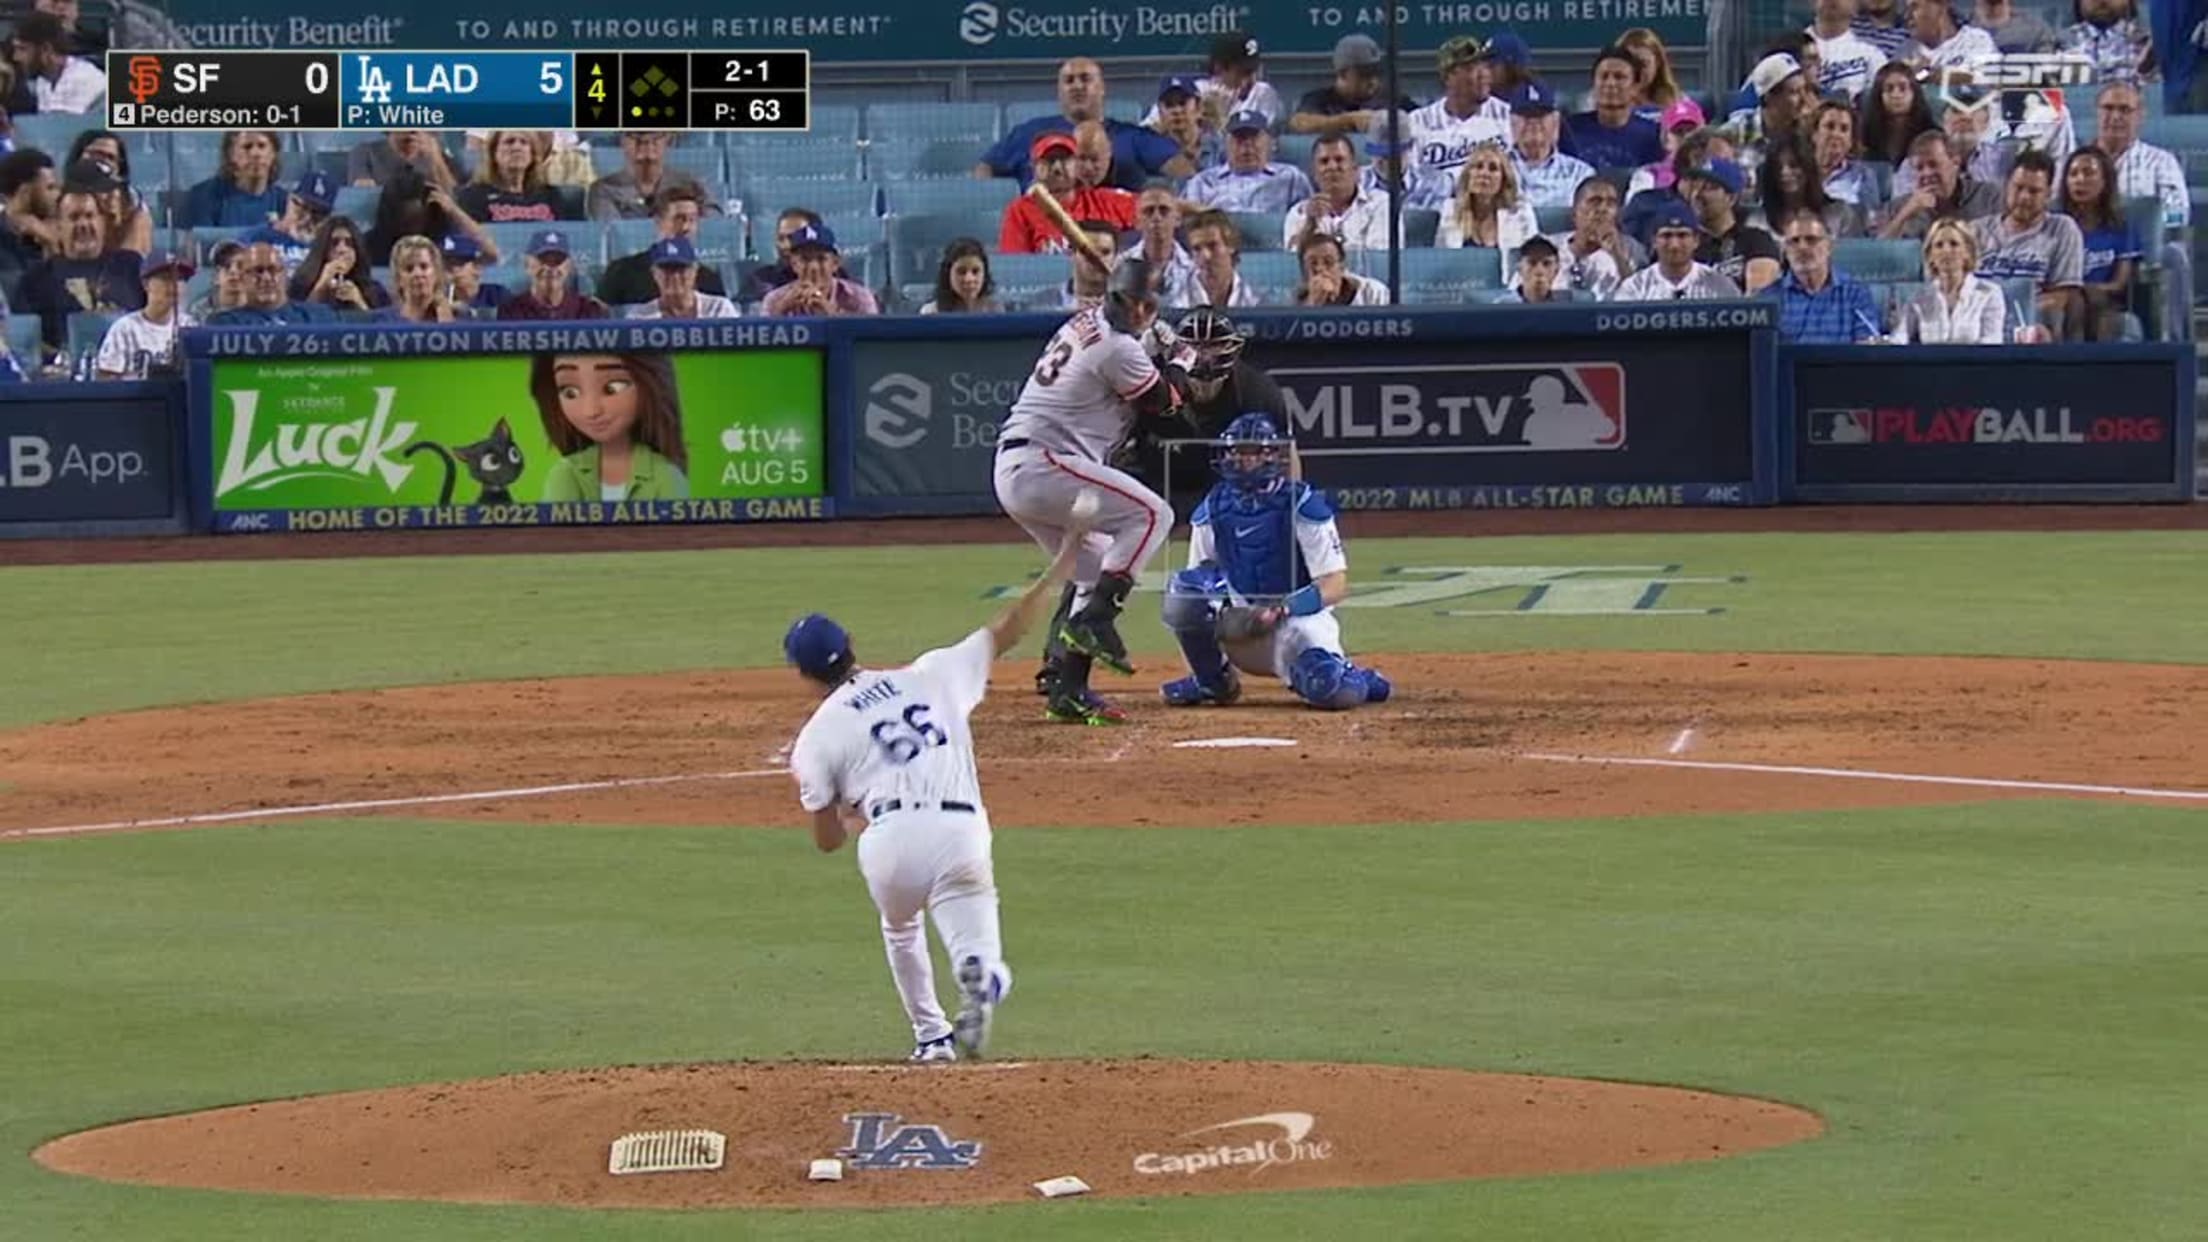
<point>379,804</point>
<point>1862,774</point>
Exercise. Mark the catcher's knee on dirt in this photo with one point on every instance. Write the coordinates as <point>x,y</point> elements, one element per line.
<point>1325,680</point>
<point>1192,613</point>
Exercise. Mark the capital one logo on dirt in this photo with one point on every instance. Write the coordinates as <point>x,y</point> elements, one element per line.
<point>1268,1139</point>
<point>1472,408</point>
<point>879,1142</point>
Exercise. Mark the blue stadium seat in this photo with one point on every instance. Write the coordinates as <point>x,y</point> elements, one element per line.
<point>358,202</point>
<point>916,241</point>
<point>1870,259</point>
<point>187,166</point>
<point>203,240</point>
<point>854,231</point>
<point>1024,279</point>
<point>1552,219</point>
<point>939,159</point>
<point>720,240</point>
<point>705,163</point>
<point>767,197</point>
<point>911,297</point>
<point>1295,149</point>
<point>52,132</point>
<point>796,159</point>
<point>1273,273</point>
<point>23,340</point>
<point>320,140</point>
<point>512,237</point>
<point>1018,110</point>
<point>620,237</point>
<point>86,330</point>
<point>2179,133</point>
<point>890,125</point>
<point>512,277</point>
<point>1438,274</point>
<point>962,195</point>
<point>2144,214</point>
<point>1420,224</point>
<point>1261,230</point>
<point>830,120</point>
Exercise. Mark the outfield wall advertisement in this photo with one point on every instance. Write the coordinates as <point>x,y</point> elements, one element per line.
<point>548,438</point>
<point>89,456</point>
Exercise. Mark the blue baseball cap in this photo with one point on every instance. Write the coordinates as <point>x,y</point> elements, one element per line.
<point>1507,48</point>
<point>1178,84</point>
<point>1674,215</point>
<point>816,645</point>
<point>460,248</point>
<point>1247,120</point>
<point>674,252</point>
<point>817,236</point>
<point>548,241</point>
<point>159,260</point>
<point>316,190</point>
<point>1723,171</point>
<point>1535,98</point>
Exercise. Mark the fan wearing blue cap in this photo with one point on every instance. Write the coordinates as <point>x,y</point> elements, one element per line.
<point>305,208</point>
<point>1394,166</point>
<point>889,754</point>
<point>1249,180</point>
<point>145,340</point>
<point>819,288</point>
<point>675,272</point>
<point>1546,176</point>
<point>549,261</point>
<point>1748,256</point>
<point>1675,275</point>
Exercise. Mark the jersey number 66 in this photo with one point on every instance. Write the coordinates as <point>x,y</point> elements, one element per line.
<point>902,744</point>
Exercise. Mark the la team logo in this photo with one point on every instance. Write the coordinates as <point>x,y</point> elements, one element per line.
<point>879,1142</point>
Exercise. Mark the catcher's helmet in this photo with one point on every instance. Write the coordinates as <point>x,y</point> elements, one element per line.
<point>1251,454</point>
<point>1218,343</point>
<point>1131,286</point>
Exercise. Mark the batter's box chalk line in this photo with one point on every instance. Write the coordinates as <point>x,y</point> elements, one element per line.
<point>1868,774</point>
<point>1233,743</point>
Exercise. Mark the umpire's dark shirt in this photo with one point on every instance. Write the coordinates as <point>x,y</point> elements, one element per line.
<point>1248,390</point>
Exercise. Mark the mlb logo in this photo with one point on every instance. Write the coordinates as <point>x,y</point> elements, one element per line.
<point>1575,406</point>
<point>1839,426</point>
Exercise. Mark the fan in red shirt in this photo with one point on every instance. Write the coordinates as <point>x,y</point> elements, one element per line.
<point>1028,231</point>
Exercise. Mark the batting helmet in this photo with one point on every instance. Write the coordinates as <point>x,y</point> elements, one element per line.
<point>1131,287</point>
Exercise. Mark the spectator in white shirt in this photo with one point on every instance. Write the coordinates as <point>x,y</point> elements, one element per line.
<point>2141,167</point>
<point>1157,242</point>
<point>1487,209</point>
<point>59,82</point>
<point>1596,255</point>
<point>1395,166</point>
<point>1956,306</point>
<point>1547,176</point>
<point>1675,276</point>
<point>675,271</point>
<point>1467,114</point>
<point>1941,42</point>
<point>1249,180</point>
<point>1538,269</point>
<point>1235,78</point>
<point>1342,208</point>
<point>1217,247</point>
<point>1845,59</point>
<point>1327,280</point>
<point>2111,35</point>
<point>144,340</point>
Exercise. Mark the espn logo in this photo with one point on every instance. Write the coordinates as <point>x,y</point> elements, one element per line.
<point>1839,426</point>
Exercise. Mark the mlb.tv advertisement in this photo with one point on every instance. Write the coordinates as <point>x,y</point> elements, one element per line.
<point>549,438</point>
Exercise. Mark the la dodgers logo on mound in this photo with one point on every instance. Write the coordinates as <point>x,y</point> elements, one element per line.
<point>878,1142</point>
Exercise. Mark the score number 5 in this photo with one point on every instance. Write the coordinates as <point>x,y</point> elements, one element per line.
<point>551,81</point>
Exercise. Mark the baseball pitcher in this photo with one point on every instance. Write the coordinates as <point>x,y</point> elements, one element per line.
<point>889,756</point>
<point>1265,570</point>
<point>1089,388</point>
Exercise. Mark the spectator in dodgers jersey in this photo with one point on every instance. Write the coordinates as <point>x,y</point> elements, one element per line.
<point>675,268</point>
<point>1596,254</point>
<point>1342,208</point>
<point>628,192</point>
<point>58,81</point>
<point>2112,246</point>
<point>1675,276</point>
<point>1249,180</point>
<point>1217,247</point>
<point>378,160</point>
<point>86,274</point>
<point>1612,135</point>
<point>1942,190</point>
<point>2110,34</point>
<point>1845,59</point>
<point>1352,105</point>
<point>1468,113</point>
<point>464,268</point>
<point>1941,42</point>
<point>145,340</point>
<point>2141,167</point>
<point>551,293</point>
<point>246,191</point>
<point>1179,116</point>
<point>261,298</point>
<point>765,280</point>
<point>305,208</point>
<point>629,280</point>
<point>1327,280</point>
<point>1081,98</point>
<point>509,185</point>
<point>2029,240</point>
<point>818,289</point>
<point>2013,31</point>
<point>1818,303</point>
<point>1157,242</point>
<point>1883,25</point>
<point>1028,229</point>
<point>1547,176</point>
<point>1394,169</point>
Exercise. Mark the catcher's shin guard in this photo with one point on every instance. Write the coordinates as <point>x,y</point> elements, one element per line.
<point>1092,631</point>
<point>1326,680</point>
<point>1192,614</point>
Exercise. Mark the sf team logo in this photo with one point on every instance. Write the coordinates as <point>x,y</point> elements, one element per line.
<point>879,1142</point>
<point>145,77</point>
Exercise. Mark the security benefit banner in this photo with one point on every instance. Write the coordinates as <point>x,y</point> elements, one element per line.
<point>1589,422</point>
<point>549,438</point>
<point>928,411</point>
<point>2070,422</point>
<point>87,454</point>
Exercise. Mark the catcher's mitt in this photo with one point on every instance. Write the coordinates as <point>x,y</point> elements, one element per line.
<point>1243,622</point>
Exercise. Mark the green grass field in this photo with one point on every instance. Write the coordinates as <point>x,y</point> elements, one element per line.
<point>1998,1007</point>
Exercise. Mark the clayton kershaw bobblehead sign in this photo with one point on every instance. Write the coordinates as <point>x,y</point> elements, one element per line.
<point>550,438</point>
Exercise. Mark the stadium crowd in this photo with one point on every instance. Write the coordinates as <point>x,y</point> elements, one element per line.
<point>1855,178</point>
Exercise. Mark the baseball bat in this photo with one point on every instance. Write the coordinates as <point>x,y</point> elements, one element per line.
<point>1067,225</point>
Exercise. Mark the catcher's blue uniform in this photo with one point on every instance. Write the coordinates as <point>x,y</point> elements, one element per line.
<point>1259,538</point>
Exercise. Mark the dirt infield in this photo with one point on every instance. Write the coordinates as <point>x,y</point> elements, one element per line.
<point>1451,746</point>
<point>942,1134</point>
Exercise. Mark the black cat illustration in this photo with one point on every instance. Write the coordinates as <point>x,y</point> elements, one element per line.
<point>494,462</point>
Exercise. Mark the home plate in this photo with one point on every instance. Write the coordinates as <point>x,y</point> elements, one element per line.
<point>1232,743</point>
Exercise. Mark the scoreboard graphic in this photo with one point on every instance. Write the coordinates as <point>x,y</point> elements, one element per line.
<point>657,90</point>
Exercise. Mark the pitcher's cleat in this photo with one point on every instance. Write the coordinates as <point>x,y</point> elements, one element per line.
<point>935,1051</point>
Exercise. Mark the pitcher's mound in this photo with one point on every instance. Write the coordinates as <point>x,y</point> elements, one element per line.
<point>932,1134</point>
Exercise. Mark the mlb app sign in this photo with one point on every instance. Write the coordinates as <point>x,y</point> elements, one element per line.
<point>1560,407</point>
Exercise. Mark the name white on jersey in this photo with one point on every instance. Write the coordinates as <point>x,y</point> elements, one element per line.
<point>900,733</point>
<point>1076,399</point>
<point>1442,141</point>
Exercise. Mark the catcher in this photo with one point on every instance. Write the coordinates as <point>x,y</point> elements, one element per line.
<point>1265,569</point>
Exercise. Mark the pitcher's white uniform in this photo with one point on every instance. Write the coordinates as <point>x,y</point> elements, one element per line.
<point>1073,411</point>
<point>895,744</point>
